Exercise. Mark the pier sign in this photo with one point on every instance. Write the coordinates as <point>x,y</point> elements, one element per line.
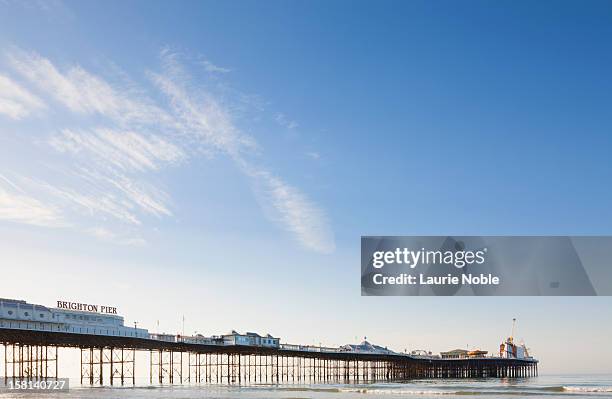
<point>85,307</point>
<point>486,265</point>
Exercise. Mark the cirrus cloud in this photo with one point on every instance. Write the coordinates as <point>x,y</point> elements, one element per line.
<point>132,136</point>
<point>15,101</point>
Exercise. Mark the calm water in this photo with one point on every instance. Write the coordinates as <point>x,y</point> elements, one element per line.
<point>578,386</point>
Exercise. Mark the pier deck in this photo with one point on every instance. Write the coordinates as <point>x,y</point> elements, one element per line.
<point>111,359</point>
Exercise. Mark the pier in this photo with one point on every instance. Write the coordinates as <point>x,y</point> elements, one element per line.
<point>111,360</point>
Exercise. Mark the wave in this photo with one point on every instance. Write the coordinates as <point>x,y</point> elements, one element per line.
<point>470,391</point>
<point>587,389</point>
<point>307,389</point>
<point>582,390</point>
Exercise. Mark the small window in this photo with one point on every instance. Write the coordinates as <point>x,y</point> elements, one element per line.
<point>10,312</point>
<point>42,315</point>
<point>26,313</point>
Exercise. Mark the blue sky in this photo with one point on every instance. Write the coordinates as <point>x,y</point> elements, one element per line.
<point>230,155</point>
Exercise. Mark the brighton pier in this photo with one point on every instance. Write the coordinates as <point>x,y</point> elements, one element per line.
<point>31,335</point>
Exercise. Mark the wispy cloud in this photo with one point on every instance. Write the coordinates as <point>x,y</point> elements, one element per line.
<point>92,201</point>
<point>102,233</point>
<point>17,206</point>
<point>15,101</point>
<point>300,216</point>
<point>212,68</point>
<point>294,211</point>
<point>110,167</point>
<point>146,197</point>
<point>313,155</point>
<point>203,119</point>
<point>84,92</point>
<point>107,235</point>
<point>213,124</point>
<point>133,137</point>
<point>106,158</point>
<point>283,121</point>
<point>125,150</point>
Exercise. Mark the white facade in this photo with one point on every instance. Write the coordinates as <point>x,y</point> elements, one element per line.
<point>251,339</point>
<point>20,315</point>
<point>199,339</point>
<point>16,314</point>
<point>366,347</point>
<point>163,337</point>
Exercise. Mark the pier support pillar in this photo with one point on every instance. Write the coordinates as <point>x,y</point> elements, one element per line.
<point>166,366</point>
<point>119,364</point>
<point>30,362</point>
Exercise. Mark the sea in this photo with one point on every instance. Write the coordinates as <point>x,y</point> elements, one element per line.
<point>552,386</point>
